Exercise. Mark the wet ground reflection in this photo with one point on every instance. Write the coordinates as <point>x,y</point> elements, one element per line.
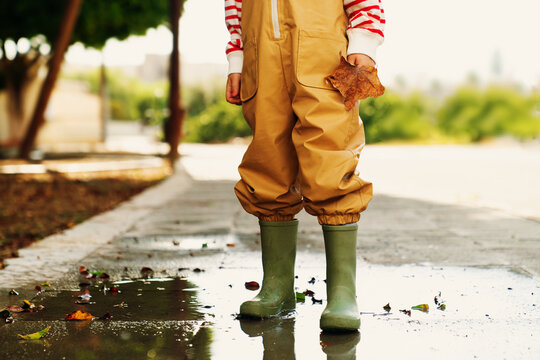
<point>192,315</point>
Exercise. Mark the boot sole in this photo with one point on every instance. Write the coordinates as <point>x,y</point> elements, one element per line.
<point>255,310</point>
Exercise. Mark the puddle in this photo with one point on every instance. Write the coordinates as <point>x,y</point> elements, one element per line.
<point>139,299</point>
<point>490,314</point>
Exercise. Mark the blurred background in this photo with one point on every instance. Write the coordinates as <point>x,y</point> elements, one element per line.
<point>464,73</point>
<point>93,97</point>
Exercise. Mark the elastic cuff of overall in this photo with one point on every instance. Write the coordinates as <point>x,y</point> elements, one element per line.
<point>338,219</point>
<point>277,217</point>
<point>236,61</point>
<point>362,41</point>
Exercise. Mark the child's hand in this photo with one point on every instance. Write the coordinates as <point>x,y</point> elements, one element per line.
<point>233,88</point>
<point>360,60</point>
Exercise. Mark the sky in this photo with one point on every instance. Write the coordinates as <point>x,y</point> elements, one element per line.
<point>425,41</point>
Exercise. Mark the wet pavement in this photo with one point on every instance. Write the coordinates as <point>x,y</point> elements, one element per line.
<point>191,313</point>
<point>202,248</point>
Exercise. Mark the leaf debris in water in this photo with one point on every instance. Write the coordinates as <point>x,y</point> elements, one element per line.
<point>421,307</point>
<point>36,335</point>
<point>252,285</point>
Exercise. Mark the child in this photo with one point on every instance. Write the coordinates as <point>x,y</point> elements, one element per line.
<point>305,146</point>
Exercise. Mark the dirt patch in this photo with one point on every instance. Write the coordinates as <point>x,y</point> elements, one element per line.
<point>35,206</point>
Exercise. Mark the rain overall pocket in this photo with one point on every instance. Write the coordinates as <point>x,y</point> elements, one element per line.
<point>319,54</point>
<point>249,84</point>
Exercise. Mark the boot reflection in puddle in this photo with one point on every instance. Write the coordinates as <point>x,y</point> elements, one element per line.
<point>340,346</point>
<point>277,336</point>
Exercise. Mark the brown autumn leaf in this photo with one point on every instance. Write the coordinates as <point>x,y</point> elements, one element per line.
<point>251,285</point>
<point>355,83</point>
<point>80,315</point>
<point>15,308</point>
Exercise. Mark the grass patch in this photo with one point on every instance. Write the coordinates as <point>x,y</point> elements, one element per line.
<point>35,206</point>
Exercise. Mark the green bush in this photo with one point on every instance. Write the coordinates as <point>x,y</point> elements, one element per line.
<point>468,115</point>
<point>129,98</point>
<point>393,116</point>
<point>471,114</point>
<point>220,122</point>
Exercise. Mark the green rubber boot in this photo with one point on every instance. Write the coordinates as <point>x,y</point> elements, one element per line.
<point>341,312</point>
<point>278,246</point>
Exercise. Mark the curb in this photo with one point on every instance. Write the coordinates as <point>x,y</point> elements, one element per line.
<point>53,256</point>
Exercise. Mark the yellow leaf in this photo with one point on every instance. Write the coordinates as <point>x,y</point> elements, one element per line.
<point>36,335</point>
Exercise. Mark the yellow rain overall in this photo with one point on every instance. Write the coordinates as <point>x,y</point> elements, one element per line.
<point>305,146</point>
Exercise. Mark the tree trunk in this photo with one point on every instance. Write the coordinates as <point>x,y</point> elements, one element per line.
<point>104,100</point>
<point>66,29</point>
<point>174,126</point>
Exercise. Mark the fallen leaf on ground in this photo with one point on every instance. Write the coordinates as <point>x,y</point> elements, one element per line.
<point>4,314</point>
<point>46,283</point>
<point>79,315</point>
<point>27,305</point>
<point>437,299</point>
<point>300,296</point>
<point>15,308</point>
<point>421,307</point>
<point>355,83</point>
<point>36,335</point>
<point>406,311</point>
<point>251,285</point>
<point>231,245</point>
<point>439,302</point>
<point>204,245</point>
<point>38,288</point>
<point>387,307</point>
<point>309,293</point>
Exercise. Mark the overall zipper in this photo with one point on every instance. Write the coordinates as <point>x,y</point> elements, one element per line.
<point>275,19</point>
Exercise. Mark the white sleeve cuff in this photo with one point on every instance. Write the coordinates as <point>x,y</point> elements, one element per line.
<point>236,60</point>
<point>362,41</point>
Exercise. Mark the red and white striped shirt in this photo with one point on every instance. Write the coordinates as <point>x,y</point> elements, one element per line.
<point>365,30</point>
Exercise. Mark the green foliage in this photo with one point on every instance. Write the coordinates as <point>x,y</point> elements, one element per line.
<point>468,115</point>
<point>198,98</point>
<point>99,20</point>
<point>220,122</point>
<point>129,98</point>
<point>392,116</point>
<point>473,115</point>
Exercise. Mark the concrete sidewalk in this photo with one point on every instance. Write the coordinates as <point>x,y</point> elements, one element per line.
<point>202,247</point>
